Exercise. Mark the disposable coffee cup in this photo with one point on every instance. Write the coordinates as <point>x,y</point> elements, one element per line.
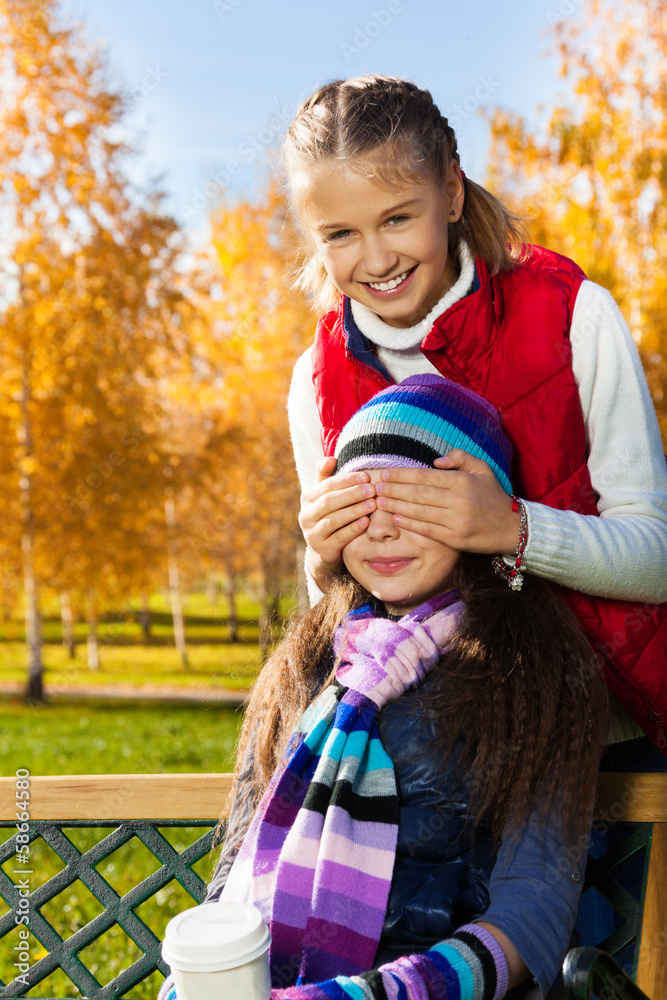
<point>219,951</point>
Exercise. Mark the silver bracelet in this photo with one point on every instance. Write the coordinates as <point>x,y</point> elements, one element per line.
<point>514,572</point>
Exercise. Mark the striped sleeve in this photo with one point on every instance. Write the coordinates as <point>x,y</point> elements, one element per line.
<point>469,965</point>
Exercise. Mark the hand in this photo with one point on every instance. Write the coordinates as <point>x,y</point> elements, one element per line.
<point>460,503</point>
<point>333,512</point>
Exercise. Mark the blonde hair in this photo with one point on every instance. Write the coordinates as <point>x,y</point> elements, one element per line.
<point>395,127</point>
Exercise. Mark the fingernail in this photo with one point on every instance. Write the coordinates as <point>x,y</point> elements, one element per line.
<point>368,490</point>
<point>384,475</point>
<point>361,478</point>
<point>379,487</point>
<point>362,522</point>
<point>382,501</point>
<point>369,505</point>
<point>397,519</point>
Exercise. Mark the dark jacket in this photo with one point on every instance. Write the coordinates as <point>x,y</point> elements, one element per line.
<point>444,877</point>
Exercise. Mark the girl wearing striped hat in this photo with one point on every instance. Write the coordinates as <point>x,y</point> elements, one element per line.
<point>416,770</point>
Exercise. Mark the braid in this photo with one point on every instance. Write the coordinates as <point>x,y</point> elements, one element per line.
<point>521,693</point>
<point>391,129</point>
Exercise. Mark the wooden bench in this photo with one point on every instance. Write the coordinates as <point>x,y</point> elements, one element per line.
<point>589,972</point>
<point>141,806</point>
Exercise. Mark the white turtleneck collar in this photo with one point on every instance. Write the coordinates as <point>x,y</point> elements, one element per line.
<point>402,338</point>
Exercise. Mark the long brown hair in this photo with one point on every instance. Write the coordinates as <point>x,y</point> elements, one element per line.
<point>519,700</point>
<point>393,126</point>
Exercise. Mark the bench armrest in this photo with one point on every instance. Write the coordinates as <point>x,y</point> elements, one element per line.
<point>589,972</point>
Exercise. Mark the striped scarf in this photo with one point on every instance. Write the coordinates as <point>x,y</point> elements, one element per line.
<point>318,857</point>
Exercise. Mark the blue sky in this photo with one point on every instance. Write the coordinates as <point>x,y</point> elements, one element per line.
<point>215,81</point>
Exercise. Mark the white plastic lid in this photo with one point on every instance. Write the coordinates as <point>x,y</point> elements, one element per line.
<point>215,936</point>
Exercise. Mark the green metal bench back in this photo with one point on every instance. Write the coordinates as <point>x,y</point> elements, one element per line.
<point>605,875</point>
<point>64,954</point>
<point>620,876</point>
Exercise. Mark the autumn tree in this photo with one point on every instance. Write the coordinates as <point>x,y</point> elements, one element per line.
<point>256,327</point>
<point>593,182</point>
<point>91,314</point>
<point>204,450</point>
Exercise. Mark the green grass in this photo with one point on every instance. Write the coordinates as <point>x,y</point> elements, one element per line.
<point>205,621</point>
<point>92,737</point>
<point>70,736</point>
<point>125,658</point>
<point>222,666</point>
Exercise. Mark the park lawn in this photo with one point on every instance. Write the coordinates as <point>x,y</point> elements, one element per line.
<point>204,621</point>
<point>104,737</point>
<point>118,628</point>
<point>119,631</point>
<point>125,658</point>
<point>93,737</point>
<point>225,665</point>
<point>69,736</point>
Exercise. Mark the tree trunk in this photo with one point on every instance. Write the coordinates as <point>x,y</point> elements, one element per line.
<point>92,640</point>
<point>8,598</point>
<point>68,623</point>
<point>33,623</point>
<point>145,618</point>
<point>264,626</point>
<point>268,614</point>
<point>274,604</point>
<point>174,587</point>
<point>302,599</point>
<point>211,588</point>
<point>232,615</point>
<point>93,645</point>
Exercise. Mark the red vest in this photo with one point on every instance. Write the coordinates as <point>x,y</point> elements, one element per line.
<point>509,341</point>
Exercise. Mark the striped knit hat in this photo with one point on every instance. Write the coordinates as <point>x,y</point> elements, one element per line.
<point>419,420</point>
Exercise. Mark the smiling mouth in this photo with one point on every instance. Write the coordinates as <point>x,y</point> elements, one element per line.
<point>388,286</point>
<point>387,566</point>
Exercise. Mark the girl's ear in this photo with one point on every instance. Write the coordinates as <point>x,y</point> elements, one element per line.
<point>454,192</point>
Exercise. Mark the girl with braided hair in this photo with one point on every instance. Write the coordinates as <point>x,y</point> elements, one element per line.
<point>416,770</point>
<point>416,268</point>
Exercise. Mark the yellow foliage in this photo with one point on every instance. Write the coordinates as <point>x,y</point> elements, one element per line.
<point>593,184</point>
<point>88,321</point>
<point>248,332</point>
<point>116,389</point>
